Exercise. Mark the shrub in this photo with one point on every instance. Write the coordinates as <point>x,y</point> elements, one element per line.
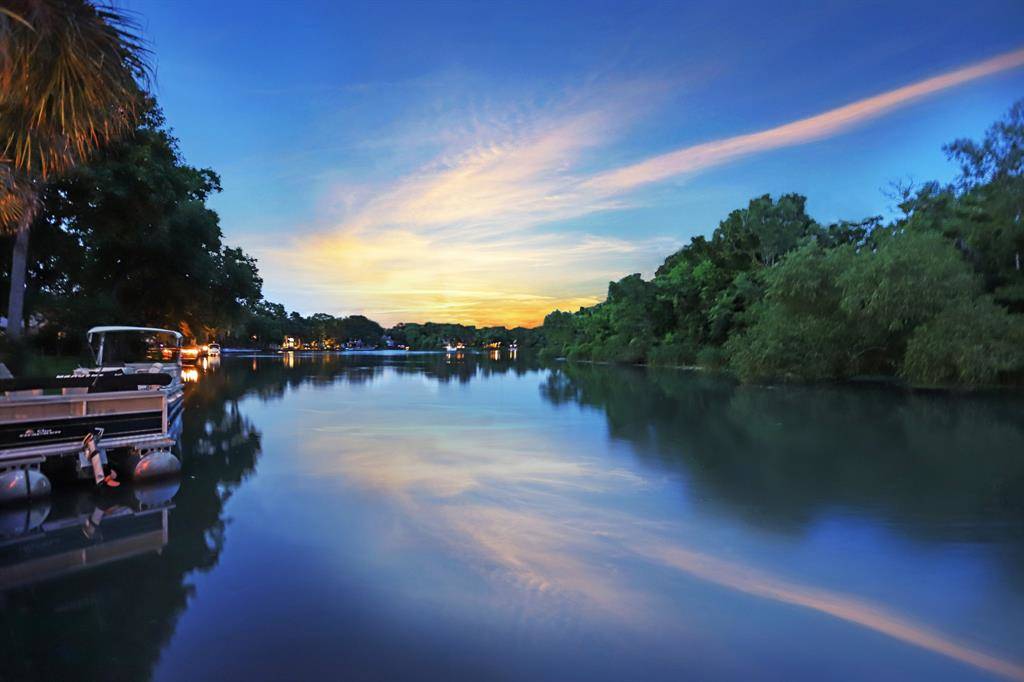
<point>970,343</point>
<point>790,347</point>
<point>673,352</point>
<point>712,357</point>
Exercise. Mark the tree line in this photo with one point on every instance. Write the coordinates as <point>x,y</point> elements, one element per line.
<point>433,335</point>
<point>128,237</point>
<point>934,296</point>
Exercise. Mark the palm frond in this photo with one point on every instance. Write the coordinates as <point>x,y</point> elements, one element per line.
<point>18,199</point>
<point>15,16</point>
<point>71,78</point>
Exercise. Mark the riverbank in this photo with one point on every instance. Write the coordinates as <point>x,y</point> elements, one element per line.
<point>883,381</point>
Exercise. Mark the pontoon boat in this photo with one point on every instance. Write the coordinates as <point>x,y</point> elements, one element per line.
<point>127,408</point>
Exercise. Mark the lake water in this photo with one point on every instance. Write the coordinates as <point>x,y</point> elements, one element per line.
<point>416,517</point>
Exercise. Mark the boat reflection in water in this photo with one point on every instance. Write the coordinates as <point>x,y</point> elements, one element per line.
<point>70,533</point>
<point>206,364</point>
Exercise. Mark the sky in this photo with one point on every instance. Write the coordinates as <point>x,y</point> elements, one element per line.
<point>487,163</point>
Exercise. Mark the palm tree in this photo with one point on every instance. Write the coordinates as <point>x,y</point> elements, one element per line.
<point>71,78</point>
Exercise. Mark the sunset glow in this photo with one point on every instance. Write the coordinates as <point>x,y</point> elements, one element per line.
<point>472,235</point>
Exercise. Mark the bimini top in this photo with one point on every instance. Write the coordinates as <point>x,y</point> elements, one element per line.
<point>102,330</point>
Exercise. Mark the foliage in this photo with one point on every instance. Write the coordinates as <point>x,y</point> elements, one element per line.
<point>433,335</point>
<point>69,83</point>
<point>697,298</point>
<point>935,296</point>
<point>968,344</point>
<point>128,237</point>
<point>797,331</point>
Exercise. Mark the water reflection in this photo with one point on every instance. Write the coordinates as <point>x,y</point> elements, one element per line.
<point>53,538</point>
<point>93,584</point>
<point>527,509</point>
<point>543,525</point>
<point>439,517</point>
<point>783,455</point>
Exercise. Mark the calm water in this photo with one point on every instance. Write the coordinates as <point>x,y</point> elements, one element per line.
<point>408,517</point>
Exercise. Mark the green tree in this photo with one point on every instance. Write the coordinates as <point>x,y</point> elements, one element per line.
<point>799,331</point>
<point>834,313</point>
<point>905,281</point>
<point>128,237</point>
<point>765,230</point>
<point>69,83</point>
<point>359,328</point>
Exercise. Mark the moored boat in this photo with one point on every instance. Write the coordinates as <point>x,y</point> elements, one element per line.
<point>122,415</point>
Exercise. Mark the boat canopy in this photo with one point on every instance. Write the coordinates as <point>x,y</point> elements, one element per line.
<point>115,328</point>
<point>116,345</point>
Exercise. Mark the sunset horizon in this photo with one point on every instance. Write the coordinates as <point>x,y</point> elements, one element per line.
<point>449,183</point>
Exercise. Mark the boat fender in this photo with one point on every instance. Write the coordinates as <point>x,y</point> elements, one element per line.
<point>155,464</point>
<point>23,484</point>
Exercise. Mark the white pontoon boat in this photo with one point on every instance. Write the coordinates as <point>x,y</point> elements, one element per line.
<point>127,407</point>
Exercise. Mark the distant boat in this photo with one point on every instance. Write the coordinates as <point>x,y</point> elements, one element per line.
<point>213,350</point>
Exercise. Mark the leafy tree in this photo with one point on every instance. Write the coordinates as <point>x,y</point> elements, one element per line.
<point>69,83</point>
<point>266,324</point>
<point>560,333</point>
<point>834,313</point>
<point>699,295</point>
<point>128,237</point>
<point>765,230</point>
<point>795,332</point>
<point>907,280</point>
<point>361,328</point>
<point>983,211</point>
<point>936,296</point>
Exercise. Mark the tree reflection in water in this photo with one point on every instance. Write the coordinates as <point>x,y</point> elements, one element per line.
<point>782,455</point>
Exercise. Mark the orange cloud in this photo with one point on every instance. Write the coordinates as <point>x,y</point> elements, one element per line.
<point>805,130</point>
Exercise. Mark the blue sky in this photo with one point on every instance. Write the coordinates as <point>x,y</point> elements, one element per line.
<point>489,162</point>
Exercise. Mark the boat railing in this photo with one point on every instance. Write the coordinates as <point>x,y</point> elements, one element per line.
<point>43,410</point>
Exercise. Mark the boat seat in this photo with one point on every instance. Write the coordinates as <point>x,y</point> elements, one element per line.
<point>26,393</point>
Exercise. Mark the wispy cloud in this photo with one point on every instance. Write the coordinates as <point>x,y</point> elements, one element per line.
<point>464,237</point>
<point>833,122</point>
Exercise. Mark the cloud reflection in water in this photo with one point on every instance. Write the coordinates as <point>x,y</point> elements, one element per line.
<point>531,519</point>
